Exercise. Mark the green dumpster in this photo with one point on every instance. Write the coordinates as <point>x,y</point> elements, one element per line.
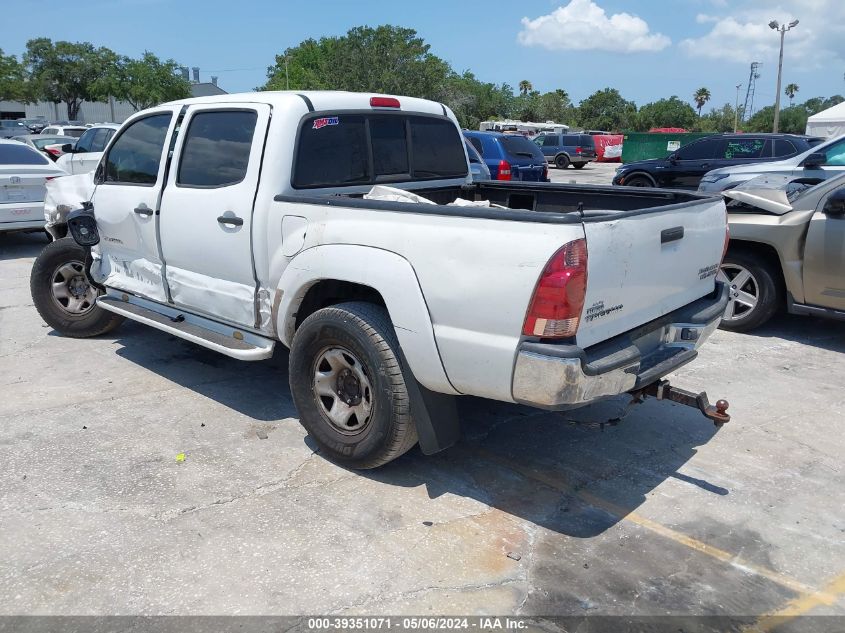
<point>644,145</point>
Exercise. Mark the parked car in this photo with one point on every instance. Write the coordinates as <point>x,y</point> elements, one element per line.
<point>44,143</point>
<point>786,249</point>
<point>33,125</point>
<point>478,168</point>
<point>23,172</point>
<point>57,150</point>
<point>85,154</point>
<point>820,161</point>
<point>65,130</point>
<point>9,128</point>
<point>509,156</point>
<point>389,307</point>
<point>684,168</point>
<point>563,150</point>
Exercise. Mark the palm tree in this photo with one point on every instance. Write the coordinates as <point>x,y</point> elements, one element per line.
<point>525,87</point>
<point>790,91</point>
<point>701,96</point>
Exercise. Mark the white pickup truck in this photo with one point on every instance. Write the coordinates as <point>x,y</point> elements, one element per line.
<point>240,221</point>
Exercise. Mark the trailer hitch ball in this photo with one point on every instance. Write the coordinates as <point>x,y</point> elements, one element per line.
<point>662,390</point>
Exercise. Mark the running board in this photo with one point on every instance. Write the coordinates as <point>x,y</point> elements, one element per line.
<point>191,327</point>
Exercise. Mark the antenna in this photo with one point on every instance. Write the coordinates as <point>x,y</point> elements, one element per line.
<point>748,108</point>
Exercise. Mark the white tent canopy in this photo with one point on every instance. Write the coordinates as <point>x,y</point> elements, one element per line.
<point>829,123</point>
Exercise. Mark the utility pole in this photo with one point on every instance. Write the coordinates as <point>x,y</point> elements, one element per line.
<point>782,29</point>
<point>287,80</point>
<point>736,108</point>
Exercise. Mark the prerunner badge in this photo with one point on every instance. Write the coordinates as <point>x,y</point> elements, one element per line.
<point>326,120</point>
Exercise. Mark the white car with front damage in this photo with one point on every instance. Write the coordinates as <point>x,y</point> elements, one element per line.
<point>347,228</point>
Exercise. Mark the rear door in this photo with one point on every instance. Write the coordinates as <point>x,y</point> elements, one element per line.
<point>126,203</point>
<point>206,210</point>
<point>642,265</point>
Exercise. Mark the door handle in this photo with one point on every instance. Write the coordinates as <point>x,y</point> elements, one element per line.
<point>705,165</point>
<point>228,219</point>
<point>143,211</point>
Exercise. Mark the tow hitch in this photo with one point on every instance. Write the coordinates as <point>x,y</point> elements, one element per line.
<point>662,390</point>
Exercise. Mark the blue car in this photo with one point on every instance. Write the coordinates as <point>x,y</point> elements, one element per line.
<point>510,156</point>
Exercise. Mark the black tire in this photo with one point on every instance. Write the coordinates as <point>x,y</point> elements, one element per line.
<point>639,181</point>
<point>562,161</point>
<point>365,331</point>
<point>88,321</point>
<point>578,165</point>
<point>763,280</point>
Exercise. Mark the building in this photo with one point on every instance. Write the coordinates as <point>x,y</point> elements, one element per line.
<point>111,111</point>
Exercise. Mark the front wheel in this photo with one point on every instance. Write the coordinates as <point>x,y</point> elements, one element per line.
<point>63,294</point>
<point>754,292</point>
<point>348,386</point>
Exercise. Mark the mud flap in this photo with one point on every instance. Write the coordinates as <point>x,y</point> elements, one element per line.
<point>435,414</point>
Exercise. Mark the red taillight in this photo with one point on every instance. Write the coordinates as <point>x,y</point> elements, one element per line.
<point>53,151</point>
<point>545,172</point>
<point>555,308</point>
<point>384,102</point>
<point>504,170</point>
<point>49,178</point>
<point>577,150</point>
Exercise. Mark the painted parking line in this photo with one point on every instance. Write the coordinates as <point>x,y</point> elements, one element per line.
<point>806,592</point>
<point>801,605</point>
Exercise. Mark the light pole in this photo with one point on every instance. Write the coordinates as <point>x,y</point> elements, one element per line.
<point>736,108</point>
<point>782,29</point>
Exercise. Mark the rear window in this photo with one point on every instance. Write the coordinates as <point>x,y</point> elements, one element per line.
<point>20,154</point>
<point>75,133</point>
<point>744,148</point>
<point>334,151</point>
<point>216,149</point>
<point>521,146</point>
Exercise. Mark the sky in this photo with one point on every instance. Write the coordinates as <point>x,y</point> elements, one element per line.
<point>647,49</point>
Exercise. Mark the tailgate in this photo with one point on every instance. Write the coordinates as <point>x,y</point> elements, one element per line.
<point>644,264</point>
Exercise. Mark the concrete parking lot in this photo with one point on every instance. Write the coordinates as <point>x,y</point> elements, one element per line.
<point>144,475</point>
<point>591,174</point>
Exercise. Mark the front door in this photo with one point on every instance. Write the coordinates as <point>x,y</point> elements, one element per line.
<point>126,203</point>
<point>206,210</point>
<point>824,260</point>
<point>690,163</point>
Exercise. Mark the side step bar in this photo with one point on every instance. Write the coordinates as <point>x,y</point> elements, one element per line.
<point>191,327</point>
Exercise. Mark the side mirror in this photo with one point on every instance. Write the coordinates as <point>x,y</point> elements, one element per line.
<point>67,148</point>
<point>816,159</point>
<point>834,206</point>
<point>673,158</point>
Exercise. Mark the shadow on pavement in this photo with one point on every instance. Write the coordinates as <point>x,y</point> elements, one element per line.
<point>18,245</point>
<point>561,471</point>
<point>824,333</point>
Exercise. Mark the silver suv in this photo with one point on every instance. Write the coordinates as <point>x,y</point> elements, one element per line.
<point>819,163</point>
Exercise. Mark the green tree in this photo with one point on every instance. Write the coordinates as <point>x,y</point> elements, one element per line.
<point>607,110</point>
<point>671,112</point>
<point>790,91</point>
<point>386,59</point>
<point>12,83</point>
<point>717,120</point>
<point>68,72</point>
<point>146,81</point>
<point>525,87</point>
<point>701,96</point>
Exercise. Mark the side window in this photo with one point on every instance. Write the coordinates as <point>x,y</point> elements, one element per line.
<point>85,142</point>
<point>215,152</point>
<point>135,157</point>
<point>835,154</point>
<point>476,143</point>
<point>784,147</point>
<point>744,148</point>
<point>436,149</point>
<point>550,141</point>
<point>390,145</point>
<point>698,150</point>
<point>100,139</point>
<point>332,152</point>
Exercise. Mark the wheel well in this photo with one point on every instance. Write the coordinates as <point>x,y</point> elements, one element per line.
<point>764,252</point>
<point>559,154</point>
<point>329,292</point>
<point>643,174</point>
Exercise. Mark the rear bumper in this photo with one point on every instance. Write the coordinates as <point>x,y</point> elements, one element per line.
<point>553,376</point>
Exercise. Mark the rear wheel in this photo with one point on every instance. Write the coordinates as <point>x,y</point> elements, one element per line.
<point>754,292</point>
<point>63,294</point>
<point>578,165</point>
<point>348,386</point>
<point>562,161</point>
